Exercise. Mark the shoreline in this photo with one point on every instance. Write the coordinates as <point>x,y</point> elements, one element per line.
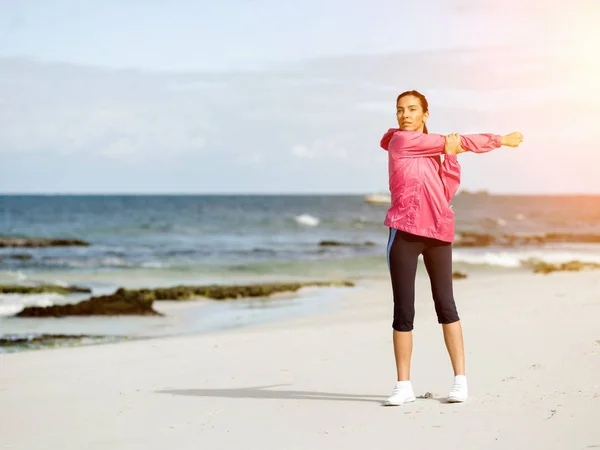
<point>180,318</point>
<point>532,347</point>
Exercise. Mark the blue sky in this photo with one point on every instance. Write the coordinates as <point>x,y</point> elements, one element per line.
<point>265,96</point>
<point>202,35</point>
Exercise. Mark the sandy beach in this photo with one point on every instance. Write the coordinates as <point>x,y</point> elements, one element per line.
<point>317,382</point>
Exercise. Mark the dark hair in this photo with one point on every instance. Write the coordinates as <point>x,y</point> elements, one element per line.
<point>423,101</point>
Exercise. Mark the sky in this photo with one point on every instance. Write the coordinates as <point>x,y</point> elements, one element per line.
<point>260,96</point>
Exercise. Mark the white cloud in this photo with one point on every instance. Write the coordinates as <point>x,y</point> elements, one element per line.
<point>326,112</point>
<point>301,151</point>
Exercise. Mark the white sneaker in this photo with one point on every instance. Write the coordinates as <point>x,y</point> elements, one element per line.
<point>459,392</point>
<point>402,393</point>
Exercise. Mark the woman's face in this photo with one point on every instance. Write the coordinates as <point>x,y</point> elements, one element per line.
<point>410,114</point>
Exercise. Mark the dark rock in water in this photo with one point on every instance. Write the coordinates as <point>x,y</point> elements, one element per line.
<point>458,275</point>
<point>344,244</point>
<point>331,244</point>
<point>7,341</point>
<point>480,192</point>
<point>473,239</point>
<point>224,292</point>
<point>571,266</point>
<point>19,289</point>
<point>468,239</point>
<point>587,238</point>
<point>20,256</point>
<point>40,242</point>
<point>139,302</point>
<point>38,341</point>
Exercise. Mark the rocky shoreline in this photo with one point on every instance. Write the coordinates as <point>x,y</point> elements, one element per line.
<point>473,239</point>
<point>570,266</point>
<point>464,239</point>
<point>140,301</point>
<point>14,343</point>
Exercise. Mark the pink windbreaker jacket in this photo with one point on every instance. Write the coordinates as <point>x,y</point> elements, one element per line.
<point>421,185</point>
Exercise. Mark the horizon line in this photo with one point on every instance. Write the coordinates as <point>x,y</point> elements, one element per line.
<point>295,194</point>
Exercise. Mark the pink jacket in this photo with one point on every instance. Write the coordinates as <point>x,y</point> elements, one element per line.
<point>421,184</point>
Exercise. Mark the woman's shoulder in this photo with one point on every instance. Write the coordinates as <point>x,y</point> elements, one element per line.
<point>399,137</point>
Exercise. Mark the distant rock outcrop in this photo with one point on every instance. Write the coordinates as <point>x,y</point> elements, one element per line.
<point>39,289</point>
<point>570,266</point>
<point>40,242</point>
<point>345,244</point>
<point>474,239</point>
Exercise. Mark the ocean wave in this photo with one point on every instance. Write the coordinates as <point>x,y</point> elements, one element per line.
<point>307,220</point>
<point>153,265</point>
<point>86,262</point>
<point>517,258</point>
<point>342,222</point>
<point>158,228</point>
<point>12,275</point>
<point>11,304</point>
<point>493,222</point>
<point>106,263</point>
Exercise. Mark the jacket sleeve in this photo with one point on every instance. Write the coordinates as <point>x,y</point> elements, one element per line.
<point>414,144</point>
<point>410,144</point>
<point>480,143</point>
<point>450,174</point>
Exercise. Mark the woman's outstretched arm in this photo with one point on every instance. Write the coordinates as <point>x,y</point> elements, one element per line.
<point>482,143</point>
<point>411,144</point>
<point>450,170</point>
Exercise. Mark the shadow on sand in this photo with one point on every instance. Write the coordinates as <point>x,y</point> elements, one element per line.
<point>267,392</point>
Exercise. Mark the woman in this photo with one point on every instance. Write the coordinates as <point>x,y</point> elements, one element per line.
<point>421,221</point>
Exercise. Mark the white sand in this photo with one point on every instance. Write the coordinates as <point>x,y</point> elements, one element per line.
<point>533,361</point>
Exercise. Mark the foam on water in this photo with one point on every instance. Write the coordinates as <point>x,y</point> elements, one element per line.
<point>512,258</point>
<point>11,276</point>
<point>307,220</point>
<point>11,304</point>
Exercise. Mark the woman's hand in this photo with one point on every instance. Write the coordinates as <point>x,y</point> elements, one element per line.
<point>453,146</point>
<point>512,139</point>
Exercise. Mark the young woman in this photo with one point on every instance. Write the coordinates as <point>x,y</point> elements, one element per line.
<point>421,221</point>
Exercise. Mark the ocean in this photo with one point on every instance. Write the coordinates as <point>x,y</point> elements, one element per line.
<point>163,240</point>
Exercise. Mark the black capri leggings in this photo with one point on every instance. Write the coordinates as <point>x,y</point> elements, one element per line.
<point>403,252</point>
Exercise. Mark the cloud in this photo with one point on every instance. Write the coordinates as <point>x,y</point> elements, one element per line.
<point>319,118</point>
<point>301,151</point>
<point>68,109</point>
